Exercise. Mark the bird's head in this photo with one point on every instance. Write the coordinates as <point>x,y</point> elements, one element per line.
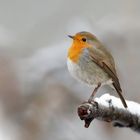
<point>81,40</point>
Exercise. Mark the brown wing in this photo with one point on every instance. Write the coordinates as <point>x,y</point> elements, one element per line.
<point>107,64</point>
<point>104,60</point>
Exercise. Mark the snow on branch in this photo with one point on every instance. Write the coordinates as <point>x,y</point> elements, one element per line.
<point>110,109</point>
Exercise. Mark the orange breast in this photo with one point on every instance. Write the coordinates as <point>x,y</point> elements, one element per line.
<point>76,50</point>
<point>74,53</point>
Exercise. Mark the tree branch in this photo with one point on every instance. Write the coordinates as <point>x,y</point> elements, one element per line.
<point>109,108</point>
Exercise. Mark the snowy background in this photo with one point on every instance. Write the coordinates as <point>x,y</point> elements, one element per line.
<point>38,97</point>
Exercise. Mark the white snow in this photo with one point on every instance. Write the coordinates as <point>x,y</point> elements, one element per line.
<point>108,100</point>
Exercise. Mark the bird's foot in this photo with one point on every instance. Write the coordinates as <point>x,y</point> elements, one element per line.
<point>90,100</point>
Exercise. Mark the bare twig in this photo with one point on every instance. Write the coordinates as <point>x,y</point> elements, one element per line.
<point>109,110</point>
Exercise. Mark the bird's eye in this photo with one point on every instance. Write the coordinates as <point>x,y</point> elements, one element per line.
<point>84,39</point>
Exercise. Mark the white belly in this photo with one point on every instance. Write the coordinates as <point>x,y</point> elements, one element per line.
<point>88,73</point>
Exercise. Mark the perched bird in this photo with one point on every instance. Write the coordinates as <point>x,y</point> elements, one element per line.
<point>90,62</point>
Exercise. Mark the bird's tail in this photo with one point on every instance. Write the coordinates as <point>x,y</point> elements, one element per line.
<point>119,91</point>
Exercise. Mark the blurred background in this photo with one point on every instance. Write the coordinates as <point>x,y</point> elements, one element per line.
<point>38,97</point>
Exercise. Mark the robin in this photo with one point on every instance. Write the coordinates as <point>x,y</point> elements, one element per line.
<point>90,62</point>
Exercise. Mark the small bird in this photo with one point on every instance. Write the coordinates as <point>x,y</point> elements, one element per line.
<point>90,62</point>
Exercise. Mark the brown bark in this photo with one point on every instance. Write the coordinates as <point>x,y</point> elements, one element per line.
<point>117,116</point>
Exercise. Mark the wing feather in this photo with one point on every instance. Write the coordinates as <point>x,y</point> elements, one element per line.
<point>107,64</point>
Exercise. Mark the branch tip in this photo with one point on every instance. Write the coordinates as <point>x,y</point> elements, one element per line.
<point>118,116</point>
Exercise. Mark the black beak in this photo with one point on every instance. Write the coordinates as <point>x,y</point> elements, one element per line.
<point>70,36</point>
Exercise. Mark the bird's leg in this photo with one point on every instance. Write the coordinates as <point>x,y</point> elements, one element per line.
<point>94,92</point>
